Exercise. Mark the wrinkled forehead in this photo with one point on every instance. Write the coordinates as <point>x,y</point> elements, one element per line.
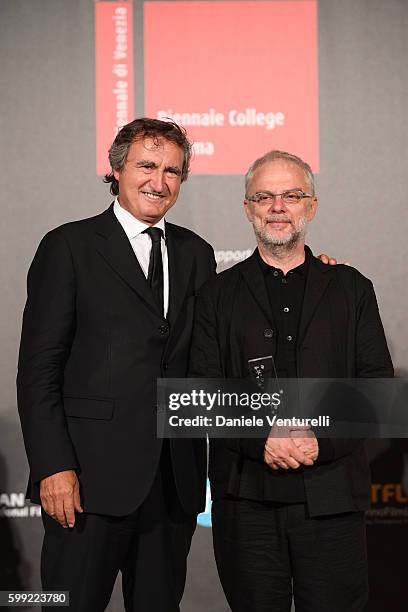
<point>278,175</point>
<point>148,147</point>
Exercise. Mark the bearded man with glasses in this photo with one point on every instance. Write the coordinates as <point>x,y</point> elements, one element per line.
<point>288,512</point>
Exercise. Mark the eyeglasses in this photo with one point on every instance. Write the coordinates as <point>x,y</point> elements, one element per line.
<point>293,196</point>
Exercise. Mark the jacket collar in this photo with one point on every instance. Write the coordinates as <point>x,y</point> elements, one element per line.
<point>254,277</point>
<point>115,248</point>
<point>181,267</point>
<point>318,279</point>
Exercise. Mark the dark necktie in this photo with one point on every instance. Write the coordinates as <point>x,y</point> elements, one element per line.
<point>155,273</point>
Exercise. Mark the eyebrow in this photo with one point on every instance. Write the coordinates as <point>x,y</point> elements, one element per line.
<point>266,192</point>
<point>145,162</point>
<point>174,169</point>
<point>152,164</point>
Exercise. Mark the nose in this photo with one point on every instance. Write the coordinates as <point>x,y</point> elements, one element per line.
<point>157,180</point>
<point>277,204</point>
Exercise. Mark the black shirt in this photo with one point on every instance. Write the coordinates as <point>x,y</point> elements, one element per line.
<point>286,294</point>
<point>286,300</point>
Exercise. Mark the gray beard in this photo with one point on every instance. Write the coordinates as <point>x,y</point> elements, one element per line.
<point>282,245</point>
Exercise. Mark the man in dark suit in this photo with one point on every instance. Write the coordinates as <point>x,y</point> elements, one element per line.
<point>288,512</point>
<point>110,310</point>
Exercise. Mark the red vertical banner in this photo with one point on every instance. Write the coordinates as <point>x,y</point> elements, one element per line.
<point>114,74</point>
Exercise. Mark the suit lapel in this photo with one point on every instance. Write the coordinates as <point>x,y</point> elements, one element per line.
<point>180,269</point>
<point>252,273</point>
<point>114,246</point>
<point>318,279</point>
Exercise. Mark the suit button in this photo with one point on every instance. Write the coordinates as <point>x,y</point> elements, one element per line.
<point>268,333</point>
<point>163,329</point>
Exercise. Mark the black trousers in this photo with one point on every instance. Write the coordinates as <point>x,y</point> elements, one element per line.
<point>149,547</point>
<point>267,552</point>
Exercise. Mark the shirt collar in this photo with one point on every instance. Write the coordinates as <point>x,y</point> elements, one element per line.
<point>301,269</point>
<point>132,226</point>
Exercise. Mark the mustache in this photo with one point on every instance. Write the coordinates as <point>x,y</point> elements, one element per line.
<point>271,218</point>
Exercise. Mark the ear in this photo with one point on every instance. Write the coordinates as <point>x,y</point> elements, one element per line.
<point>248,207</point>
<point>312,209</point>
<point>116,174</point>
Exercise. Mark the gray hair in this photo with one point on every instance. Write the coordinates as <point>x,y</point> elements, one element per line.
<point>275,155</point>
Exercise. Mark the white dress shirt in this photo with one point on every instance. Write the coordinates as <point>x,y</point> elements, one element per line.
<point>142,245</point>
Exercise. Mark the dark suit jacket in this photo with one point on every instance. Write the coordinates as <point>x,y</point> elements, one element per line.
<point>93,344</point>
<point>340,336</point>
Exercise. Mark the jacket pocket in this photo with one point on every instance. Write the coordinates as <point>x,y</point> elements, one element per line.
<point>88,408</point>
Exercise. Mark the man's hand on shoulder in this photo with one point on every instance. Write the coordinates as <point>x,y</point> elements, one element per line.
<point>60,497</point>
<point>282,452</point>
<point>331,261</point>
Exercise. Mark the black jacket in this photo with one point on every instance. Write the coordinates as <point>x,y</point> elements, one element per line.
<point>340,336</point>
<point>93,344</point>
